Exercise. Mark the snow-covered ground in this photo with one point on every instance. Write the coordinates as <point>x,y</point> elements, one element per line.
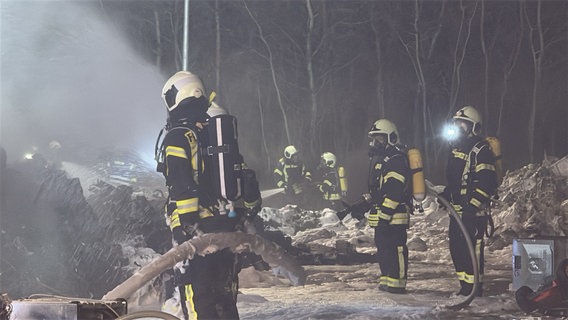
<point>350,291</point>
<point>342,284</point>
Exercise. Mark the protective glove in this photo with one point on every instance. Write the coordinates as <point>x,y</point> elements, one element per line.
<point>297,188</point>
<point>251,213</point>
<point>444,194</point>
<point>359,215</point>
<point>343,213</point>
<point>179,236</point>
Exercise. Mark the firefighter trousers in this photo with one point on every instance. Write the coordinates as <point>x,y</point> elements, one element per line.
<point>460,252</point>
<point>212,286</point>
<point>392,254</point>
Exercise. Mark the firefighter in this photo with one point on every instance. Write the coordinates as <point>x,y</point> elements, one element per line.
<point>208,284</point>
<point>389,184</point>
<point>291,174</point>
<point>471,182</point>
<point>331,181</point>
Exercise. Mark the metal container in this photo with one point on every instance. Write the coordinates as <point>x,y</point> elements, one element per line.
<point>67,309</point>
<point>535,260</point>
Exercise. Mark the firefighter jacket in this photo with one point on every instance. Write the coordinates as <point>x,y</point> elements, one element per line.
<point>291,176</point>
<point>471,176</point>
<point>193,199</point>
<point>389,185</point>
<point>329,184</point>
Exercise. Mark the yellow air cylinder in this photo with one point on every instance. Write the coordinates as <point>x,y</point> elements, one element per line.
<point>342,180</point>
<point>495,145</point>
<point>418,182</point>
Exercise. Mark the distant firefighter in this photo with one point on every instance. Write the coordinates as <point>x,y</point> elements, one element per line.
<point>291,174</point>
<point>331,181</point>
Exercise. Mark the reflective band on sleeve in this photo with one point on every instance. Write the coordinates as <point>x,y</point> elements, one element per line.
<point>394,175</point>
<point>400,218</point>
<point>481,192</point>
<point>384,216</point>
<point>251,205</point>
<point>176,152</point>
<point>188,205</point>
<point>459,155</point>
<point>373,219</point>
<point>390,203</point>
<point>174,220</point>
<point>475,202</point>
<point>484,166</point>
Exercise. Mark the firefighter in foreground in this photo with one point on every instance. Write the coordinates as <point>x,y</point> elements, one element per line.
<point>291,174</point>
<point>197,203</point>
<point>389,185</point>
<point>331,181</point>
<point>471,182</point>
<point>389,203</point>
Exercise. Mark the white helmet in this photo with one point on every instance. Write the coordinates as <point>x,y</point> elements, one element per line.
<point>328,159</point>
<point>471,115</point>
<point>181,85</point>
<point>290,151</point>
<point>385,127</point>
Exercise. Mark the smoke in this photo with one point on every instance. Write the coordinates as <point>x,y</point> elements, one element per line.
<point>67,75</point>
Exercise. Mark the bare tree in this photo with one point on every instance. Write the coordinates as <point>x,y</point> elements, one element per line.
<point>536,42</point>
<point>509,66</point>
<point>310,72</point>
<point>486,48</point>
<point>270,60</point>
<point>217,45</point>
<point>380,85</point>
<point>460,50</point>
<point>417,55</point>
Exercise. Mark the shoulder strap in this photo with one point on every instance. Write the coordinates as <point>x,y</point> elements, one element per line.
<point>469,163</point>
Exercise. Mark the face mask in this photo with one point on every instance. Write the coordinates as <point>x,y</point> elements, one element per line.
<point>377,145</point>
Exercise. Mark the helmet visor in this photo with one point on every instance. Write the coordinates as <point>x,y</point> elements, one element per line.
<point>378,139</point>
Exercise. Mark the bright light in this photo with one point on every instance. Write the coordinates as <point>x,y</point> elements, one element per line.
<point>28,156</point>
<point>450,132</point>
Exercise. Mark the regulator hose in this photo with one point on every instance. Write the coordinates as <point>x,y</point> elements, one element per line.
<point>468,299</point>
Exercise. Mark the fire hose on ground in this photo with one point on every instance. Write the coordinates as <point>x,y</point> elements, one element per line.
<point>469,298</point>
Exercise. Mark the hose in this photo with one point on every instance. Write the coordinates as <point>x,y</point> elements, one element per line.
<point>148,314</point>
<point>209,243</point>
<point>468,299</point>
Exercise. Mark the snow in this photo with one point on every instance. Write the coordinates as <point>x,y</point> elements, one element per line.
<point>350,291</point>
<point>342,276</point>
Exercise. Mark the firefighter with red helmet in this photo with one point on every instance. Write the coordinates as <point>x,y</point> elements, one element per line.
<point>197,203</point>
<point>389,184</point>
<point>471,182</point>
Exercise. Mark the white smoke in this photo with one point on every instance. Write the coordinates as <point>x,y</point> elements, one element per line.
<point>68,75</point>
